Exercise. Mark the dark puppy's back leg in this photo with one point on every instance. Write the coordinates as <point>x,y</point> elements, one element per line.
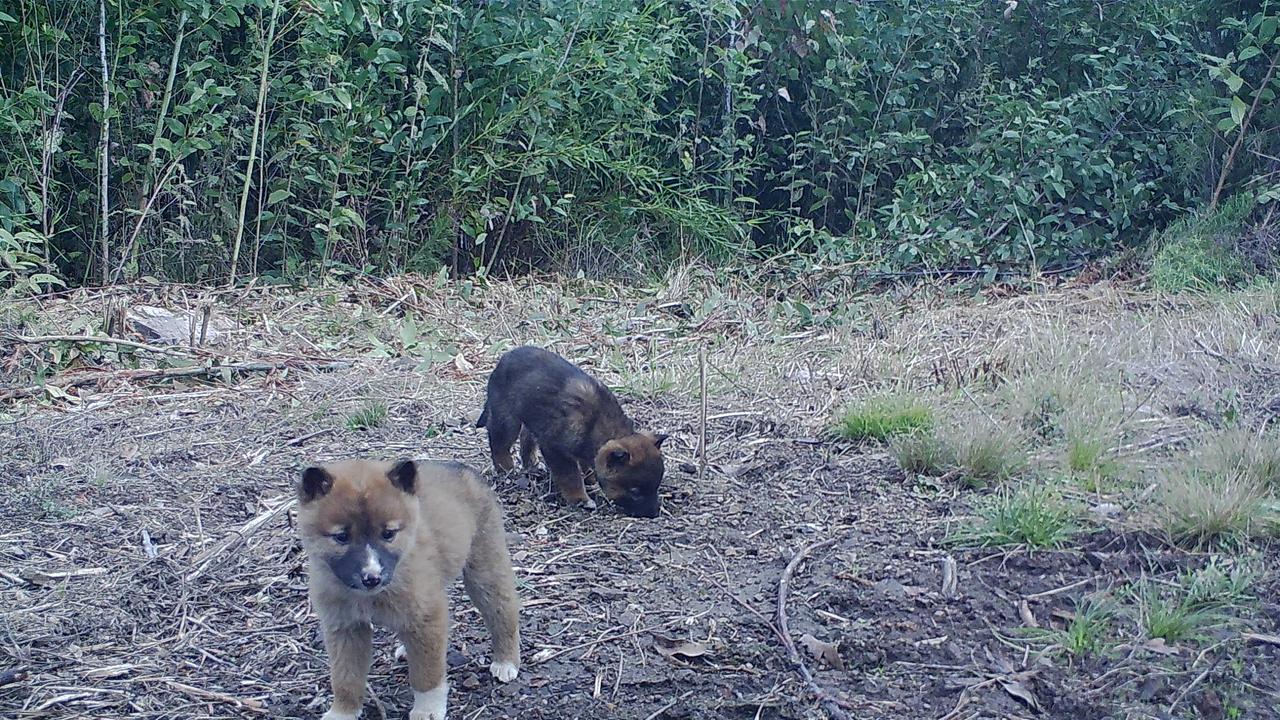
<point>528,446</point>
<point>502,428</point>
<point>564,470</point>
<point>491,585</point>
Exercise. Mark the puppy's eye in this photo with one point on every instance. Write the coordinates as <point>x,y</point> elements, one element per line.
<point>342,537</point>
<point>389,534</point>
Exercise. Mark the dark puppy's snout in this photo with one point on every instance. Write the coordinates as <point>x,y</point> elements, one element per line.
<point>641,507</point>
<point>371,580</point>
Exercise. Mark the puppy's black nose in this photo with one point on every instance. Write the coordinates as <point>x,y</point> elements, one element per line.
<point>371,581</point>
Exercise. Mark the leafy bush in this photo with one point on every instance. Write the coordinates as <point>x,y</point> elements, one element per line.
<point>262,137</point>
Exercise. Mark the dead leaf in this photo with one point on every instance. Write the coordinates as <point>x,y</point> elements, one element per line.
<point>671,648</point>
<point>463,365</point>
<point>782,93</point>
<point>1028,619</point>
<point>1020,691</point>
<point>1158,645</point>
<point>949,581</point>
<point>824,651</point>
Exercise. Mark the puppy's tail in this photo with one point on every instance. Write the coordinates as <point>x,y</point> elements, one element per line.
<point>484,415</point>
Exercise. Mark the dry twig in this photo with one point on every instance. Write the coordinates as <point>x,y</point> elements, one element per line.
<point>833,704</point>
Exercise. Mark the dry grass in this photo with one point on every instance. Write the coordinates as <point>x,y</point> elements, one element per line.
<point>922,453</point>
<point>987,454</point>
<point>1225,491</point>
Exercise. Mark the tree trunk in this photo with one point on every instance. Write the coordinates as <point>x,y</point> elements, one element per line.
<point>104,142</point>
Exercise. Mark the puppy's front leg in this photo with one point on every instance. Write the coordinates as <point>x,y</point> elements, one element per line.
<point>564,470</point>
<point>350,650</point>
<point>425,645</point>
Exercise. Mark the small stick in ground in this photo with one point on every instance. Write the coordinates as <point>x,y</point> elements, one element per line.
<point>702,425</point>
<point>246,703</point>
<point>832,703</point>
<point>1187,690</point>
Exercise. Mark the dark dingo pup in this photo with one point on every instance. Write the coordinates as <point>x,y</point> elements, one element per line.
<point>577,423</point>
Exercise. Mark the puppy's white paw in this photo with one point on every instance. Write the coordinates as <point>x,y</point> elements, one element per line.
<point>504,671</point>
<point>335,715</point>
<point>400,652</point>
<point>430,705</point>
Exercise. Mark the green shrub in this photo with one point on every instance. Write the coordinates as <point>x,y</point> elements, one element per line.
<point>613,135</point>
<point>1198,254</point>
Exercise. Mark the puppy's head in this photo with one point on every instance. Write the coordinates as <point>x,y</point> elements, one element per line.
<point>357,519</point>
<point>629,470</point>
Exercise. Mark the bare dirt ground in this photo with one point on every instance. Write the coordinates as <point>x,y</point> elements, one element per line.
<point>148,567</point>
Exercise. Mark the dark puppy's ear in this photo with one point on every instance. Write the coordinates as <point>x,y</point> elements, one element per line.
<point>618,458</point>
<point>315,483</point>
<point>404,475</point>
<point>659,438</point>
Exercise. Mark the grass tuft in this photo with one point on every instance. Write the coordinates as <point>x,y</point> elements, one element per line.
<point>1202,508</point>
<point>1088,631</point>
<point>883,418</point>
<point>368,416</point>
<point>1226,493</point>
<point>922,453</point>
<point>1032,516</point>
<point>1238,452</point>
<point>1200,599</point>
<point>1089,628</point>
<point>988,455</point>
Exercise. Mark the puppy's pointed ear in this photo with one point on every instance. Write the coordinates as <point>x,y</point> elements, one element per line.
<point>659,438</point>
<point>618,458</point>
<point>316,482</point>
<point>404,475</point>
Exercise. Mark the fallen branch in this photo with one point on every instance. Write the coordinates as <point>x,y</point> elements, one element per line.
<point>247,703</point>
<point>91,339</point>
<point>166,374</point>
<point>206,559</point>
<point>833,704</point>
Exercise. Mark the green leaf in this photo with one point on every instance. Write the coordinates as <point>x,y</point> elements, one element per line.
<point>1248,53</point>
<point>1267,30</point>
<point>1238,109</point>
<point>1234,82</point>
<point>6,17</point>
<point>278,195</point>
